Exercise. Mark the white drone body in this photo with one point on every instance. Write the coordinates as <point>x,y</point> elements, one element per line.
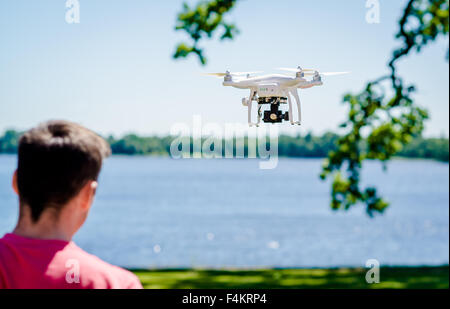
<point>273,90</point>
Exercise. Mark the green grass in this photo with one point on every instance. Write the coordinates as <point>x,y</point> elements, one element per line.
<point>353,278</point>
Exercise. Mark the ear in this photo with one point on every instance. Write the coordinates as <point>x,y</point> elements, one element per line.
<point>87,194</point>
<point>15,186</point>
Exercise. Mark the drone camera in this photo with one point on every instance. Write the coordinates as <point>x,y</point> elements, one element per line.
<point>274,115</point>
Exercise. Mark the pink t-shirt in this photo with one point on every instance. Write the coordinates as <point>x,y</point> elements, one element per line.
<point>27,263</point>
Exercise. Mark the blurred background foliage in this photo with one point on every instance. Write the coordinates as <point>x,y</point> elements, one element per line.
<point>382,119</point>
<point>203,21</point>
<point>300,146</point>
<point>385,110</point>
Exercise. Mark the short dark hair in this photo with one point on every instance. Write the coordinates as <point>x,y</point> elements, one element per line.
<point>55,160</point>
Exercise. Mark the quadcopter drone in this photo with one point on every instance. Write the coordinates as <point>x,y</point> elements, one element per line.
<point>273,90</point>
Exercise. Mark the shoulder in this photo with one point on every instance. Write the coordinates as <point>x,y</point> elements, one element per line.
<point>97,273</point>
<point>4,252</point>
<point>2,280</point>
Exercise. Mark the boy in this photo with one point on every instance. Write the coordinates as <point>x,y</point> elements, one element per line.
<point>56,178</point>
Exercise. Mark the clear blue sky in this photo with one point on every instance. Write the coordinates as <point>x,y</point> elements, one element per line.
<point>114,73</point>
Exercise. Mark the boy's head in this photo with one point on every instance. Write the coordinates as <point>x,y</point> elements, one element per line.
<point>58,164</point>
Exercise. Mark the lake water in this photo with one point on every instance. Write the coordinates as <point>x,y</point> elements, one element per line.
<point>159,212</point>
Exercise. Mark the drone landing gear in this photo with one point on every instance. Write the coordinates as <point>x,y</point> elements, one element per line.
<point>297,100</point>
<point>249,102</point>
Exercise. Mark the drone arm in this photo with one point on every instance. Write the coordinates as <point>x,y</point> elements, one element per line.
<point>307,85</point>
<point>310,84</point>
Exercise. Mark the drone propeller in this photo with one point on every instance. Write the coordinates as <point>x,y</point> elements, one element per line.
<point>327,73</point>
<point>232,73</point>
<point>296,69</point>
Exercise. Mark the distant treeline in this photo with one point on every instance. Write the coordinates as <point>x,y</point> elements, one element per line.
<point>301,146</point>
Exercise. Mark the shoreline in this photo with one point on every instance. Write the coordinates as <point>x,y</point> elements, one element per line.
<point>166,156</point>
